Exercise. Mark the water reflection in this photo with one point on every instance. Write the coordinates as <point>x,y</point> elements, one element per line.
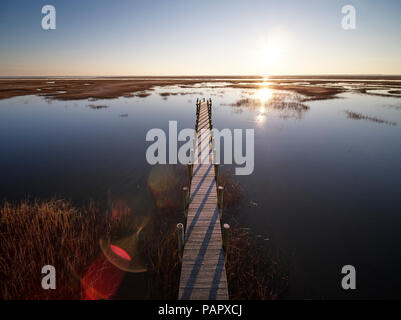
<point>266,101</point>
<point>264,94</point>
<point>335,172</point>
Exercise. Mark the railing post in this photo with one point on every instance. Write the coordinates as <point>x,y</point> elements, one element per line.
<point>192,156</point>
<point>220,191</point>
<point>190,171</point>
<point>226,232</point>
<point>186,198</point>
<point>194,143</point>
<point>216,165</point>
<point>180,236</point>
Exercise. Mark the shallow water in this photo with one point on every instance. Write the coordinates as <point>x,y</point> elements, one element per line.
<point>325,189</point>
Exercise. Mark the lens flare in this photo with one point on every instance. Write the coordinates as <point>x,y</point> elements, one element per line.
<point>120,252</point>
<point>119,209</point>
<point>103,277</point>
<point>102,280</point>
<point>163,182</point>
<point>125,254</point>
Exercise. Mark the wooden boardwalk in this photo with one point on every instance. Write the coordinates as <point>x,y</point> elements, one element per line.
<point>203,274</point>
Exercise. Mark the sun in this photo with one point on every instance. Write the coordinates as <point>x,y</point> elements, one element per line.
<point>274,49</point>
<point>269,54</point>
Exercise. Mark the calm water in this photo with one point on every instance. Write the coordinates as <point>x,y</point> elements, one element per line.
<point>325,190</point>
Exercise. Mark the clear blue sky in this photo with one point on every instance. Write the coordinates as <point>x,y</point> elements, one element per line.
<point>202,37</point>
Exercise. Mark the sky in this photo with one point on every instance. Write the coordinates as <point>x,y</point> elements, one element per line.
<point>199,37</point>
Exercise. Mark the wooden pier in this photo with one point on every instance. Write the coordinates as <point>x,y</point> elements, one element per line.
<point>203,273</point>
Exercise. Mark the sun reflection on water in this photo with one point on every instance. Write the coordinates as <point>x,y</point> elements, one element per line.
<point>264,95</point>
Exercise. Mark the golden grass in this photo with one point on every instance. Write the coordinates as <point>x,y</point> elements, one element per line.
<point>38,233</point>
<point>41,233</point>
<point>233,192</point>
<point>160,247</point>
<point>253,272</point>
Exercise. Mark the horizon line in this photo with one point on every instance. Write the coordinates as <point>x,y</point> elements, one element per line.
<point>202,76</point>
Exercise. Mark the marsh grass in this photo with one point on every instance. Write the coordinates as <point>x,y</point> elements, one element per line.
<point>38,233</point>
<point>286,105</point>
<point>360,116</point>
<point>97,107</point>
<point>233,194</point>
<point>254,272</point>
<point>34,234</point>
<point>160,247</point>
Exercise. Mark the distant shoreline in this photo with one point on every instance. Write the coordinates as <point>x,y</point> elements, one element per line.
<point>65,88</point>
<point>193,77</point>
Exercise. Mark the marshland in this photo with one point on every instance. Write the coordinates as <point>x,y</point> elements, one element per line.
<point>77,191</point>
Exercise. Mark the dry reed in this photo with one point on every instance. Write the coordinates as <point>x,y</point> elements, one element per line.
<point>34,234</point>
<point>38,233</point>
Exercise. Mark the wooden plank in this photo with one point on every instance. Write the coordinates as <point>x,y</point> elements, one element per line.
<point>203,274</point>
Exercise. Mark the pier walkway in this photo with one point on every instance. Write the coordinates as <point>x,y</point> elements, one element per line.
<point>203,273</point>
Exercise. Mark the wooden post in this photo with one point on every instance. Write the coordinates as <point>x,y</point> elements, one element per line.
<point>226,232</point>
<point>180,236</point>
<point>220,191</point>
<point>192,156</point>
<point>194,143</point>
<point>214,155</point>
<point>190,171</point>
<point>186,202</point>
